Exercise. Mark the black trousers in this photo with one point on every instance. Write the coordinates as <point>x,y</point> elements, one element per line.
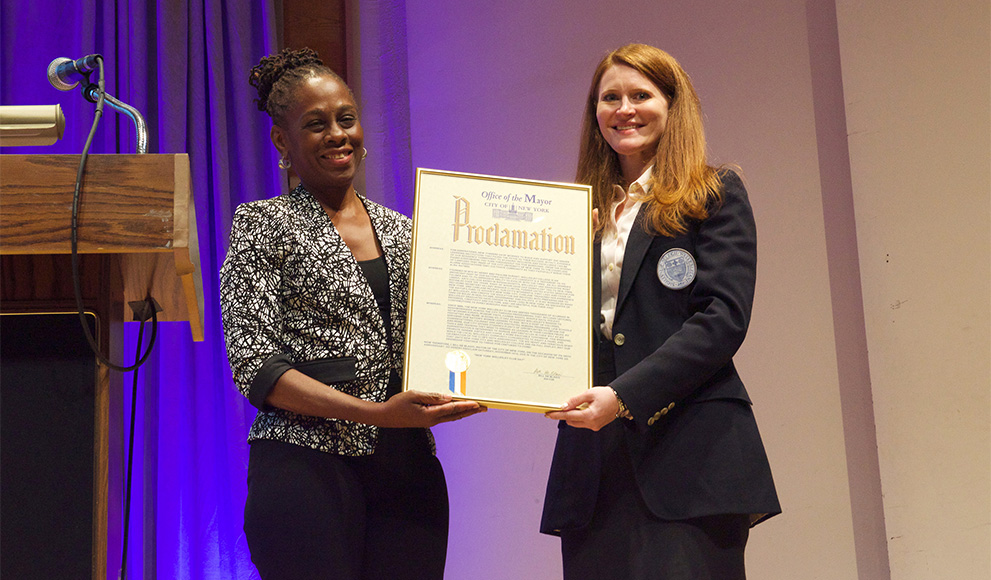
<point>313,515</point>
<point>625,541</point>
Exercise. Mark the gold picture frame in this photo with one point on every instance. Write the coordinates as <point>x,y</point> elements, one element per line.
<point>500,290</point>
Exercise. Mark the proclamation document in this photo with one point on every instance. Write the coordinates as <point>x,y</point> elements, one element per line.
<point>500,290</point>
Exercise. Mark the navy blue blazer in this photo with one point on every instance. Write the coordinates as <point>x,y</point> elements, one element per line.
<point>693,441</point>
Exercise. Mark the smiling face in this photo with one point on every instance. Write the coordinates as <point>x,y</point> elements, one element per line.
<point>632,114</point>
<point>322,137</point>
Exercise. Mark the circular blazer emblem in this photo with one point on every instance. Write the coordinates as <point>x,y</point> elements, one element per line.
<point>676,269</point>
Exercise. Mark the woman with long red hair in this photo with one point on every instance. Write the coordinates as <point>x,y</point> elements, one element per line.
<point>659,470</point>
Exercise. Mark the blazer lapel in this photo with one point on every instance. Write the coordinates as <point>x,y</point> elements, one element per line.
<point>636,249</point>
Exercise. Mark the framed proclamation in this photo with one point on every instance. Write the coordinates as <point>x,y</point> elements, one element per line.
<point>500,290</point>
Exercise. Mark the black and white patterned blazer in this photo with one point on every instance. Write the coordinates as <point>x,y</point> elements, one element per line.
<point>293,296</point>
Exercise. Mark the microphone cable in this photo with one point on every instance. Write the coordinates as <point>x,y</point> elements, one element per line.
<point>130,454</point>
<point>142,310</point>
<point>74,239</point>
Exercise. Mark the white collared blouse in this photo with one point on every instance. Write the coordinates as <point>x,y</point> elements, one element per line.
<point>613,245</point>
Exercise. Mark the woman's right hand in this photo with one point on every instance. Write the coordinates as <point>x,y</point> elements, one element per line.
<point>421,409</point>
<point>592,409</point>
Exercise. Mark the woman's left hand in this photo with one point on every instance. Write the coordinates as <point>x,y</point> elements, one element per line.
<point>593,409</point>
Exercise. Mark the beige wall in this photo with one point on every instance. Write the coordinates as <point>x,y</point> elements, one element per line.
<point>869,347</point>
<point>916,78</point>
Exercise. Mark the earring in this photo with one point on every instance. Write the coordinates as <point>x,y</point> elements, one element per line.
<point>364,153</point>
<point>285,162</point>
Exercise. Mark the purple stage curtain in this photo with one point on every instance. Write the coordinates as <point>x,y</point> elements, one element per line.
<point>383,92</point>
<point>184,65</point>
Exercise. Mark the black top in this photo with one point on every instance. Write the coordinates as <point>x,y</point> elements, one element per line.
<point>377,274</point>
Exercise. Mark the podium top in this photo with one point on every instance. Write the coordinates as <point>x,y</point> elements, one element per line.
<point>137,206</point>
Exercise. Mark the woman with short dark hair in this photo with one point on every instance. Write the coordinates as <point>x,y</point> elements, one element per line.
<point>342,478</point>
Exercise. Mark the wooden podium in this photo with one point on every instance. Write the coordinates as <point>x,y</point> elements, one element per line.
<point>136,238</point>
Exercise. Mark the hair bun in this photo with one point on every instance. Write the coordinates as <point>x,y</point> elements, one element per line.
<point>270,69</point>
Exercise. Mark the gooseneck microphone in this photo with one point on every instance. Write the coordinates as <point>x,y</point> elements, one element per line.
<point>65,73</point>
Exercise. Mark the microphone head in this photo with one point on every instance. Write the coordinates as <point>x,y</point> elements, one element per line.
<point>58,74</point>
